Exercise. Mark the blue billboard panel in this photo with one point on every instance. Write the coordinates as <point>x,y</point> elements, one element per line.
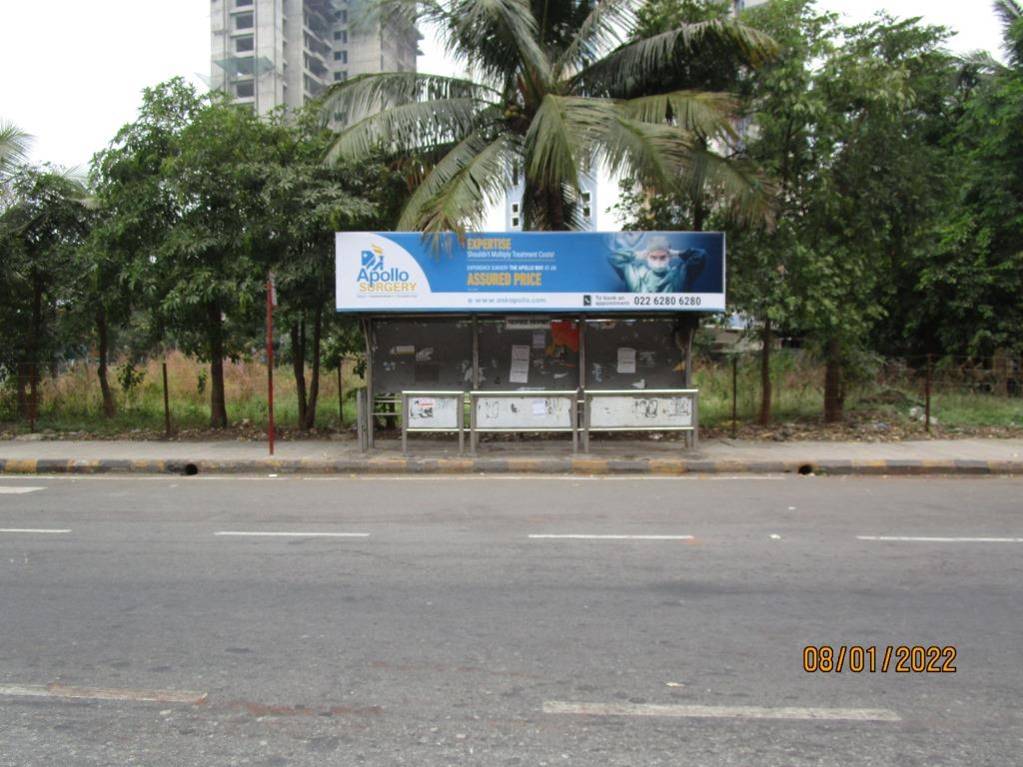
<point>543,272</point>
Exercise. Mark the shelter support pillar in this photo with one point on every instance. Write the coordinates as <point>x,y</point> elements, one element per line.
<point>475,353</point>
<point>367,332</point>
<point>581,412</point>
<point>687,332</point>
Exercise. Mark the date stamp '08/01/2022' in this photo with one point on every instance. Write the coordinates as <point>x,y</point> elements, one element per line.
<point>871,659</point>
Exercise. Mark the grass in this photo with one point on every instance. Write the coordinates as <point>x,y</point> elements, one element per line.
<point>977,410</point>
<point>72,402</point>
<point>796,390</point>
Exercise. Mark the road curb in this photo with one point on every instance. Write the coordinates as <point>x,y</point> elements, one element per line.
<point>578,465</point>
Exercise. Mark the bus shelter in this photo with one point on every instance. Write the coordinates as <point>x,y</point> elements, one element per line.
<point>572,333</point>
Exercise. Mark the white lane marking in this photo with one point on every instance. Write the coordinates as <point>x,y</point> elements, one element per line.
<point>576,537</point>
<point>19,490</point>
<point>721,712</point>
<point>101,693</point>
<point>33,530</point>
<point>259,534</point>
<point>431,478</point>
<point>551,478</point>
<point>930,539</point>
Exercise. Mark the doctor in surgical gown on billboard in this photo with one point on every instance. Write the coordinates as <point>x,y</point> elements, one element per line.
<point>657,268</point>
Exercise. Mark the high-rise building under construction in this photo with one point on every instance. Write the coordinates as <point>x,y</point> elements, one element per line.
<point>270,53</point>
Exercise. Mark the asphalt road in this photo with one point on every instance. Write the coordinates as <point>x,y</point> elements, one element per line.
<point>444,634</point>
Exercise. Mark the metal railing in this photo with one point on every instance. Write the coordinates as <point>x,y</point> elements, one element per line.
<point>537,411</point>
<point>642,410</point>
<point>421,407</point>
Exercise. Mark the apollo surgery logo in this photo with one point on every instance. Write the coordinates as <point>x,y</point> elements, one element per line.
<point>375,277</point>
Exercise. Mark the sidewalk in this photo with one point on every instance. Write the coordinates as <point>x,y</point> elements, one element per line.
<point>428,456</point>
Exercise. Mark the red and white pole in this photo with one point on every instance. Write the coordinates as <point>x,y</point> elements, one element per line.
<point>271,302</point>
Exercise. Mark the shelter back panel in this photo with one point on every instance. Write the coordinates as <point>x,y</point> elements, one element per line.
<point>529,354</point>
<point>421,354</point>
<point>633,354</point>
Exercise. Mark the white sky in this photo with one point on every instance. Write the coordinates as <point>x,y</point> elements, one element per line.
<point>72,72</point>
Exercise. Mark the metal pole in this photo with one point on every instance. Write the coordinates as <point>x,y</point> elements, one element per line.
<point>696,419</point>
<point>270,359</point>
<point>735,389</point>
<point>404,424</point>
<point>461,424</point>
<point>575,423</point>
<point>475,353</point>
<point>166,403</point>
<point>927,395</point>
<point>587,420</point>
<point>690,332</point>
<point>473,434</point>
<point>582,351</point>
<point>582,377</point>
<point>360,418</point>
<point>367,330</point>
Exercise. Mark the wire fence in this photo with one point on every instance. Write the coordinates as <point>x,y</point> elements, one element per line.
<point>953,390</point>
<point>172,392</point>
<point>166,393</point>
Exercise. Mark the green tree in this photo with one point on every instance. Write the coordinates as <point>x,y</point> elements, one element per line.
<point>304,203</point>
<point>878,191</point>
<point>971,287</point>
<point>40,232</point>
<point>135,211</point>
<point>784,111</point>
<point>554,92</point>
<point>205,276</point>
<point>850,123</point>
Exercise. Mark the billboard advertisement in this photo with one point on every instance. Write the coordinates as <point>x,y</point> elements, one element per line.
<point>546,272</point>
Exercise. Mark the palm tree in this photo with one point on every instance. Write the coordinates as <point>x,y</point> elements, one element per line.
<point>1011,14</point>
<point>552,90</point>
<point>14,145</point>
<point>978,64</point>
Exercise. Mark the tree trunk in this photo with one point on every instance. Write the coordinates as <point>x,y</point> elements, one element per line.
<point>834,391</point>
<point>314,383</point>
<point>556,210</point>
<point>697,219</point>
<point>699,212</point>
<point>298,368</point>
<point>765,374</point>
<point>102,334</point>
<point>218,404</point>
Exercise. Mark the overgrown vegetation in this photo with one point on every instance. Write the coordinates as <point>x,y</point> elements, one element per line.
<point>887,404</point>
<point>72,401</point>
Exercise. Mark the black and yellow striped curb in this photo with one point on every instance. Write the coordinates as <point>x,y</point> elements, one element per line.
<point>580,465</point>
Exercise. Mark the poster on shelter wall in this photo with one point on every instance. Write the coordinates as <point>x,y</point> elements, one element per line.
<point>519,372</point>
<point>550,272</point>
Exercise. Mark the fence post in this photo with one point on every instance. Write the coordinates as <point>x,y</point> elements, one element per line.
<point>927,395</point>
<point>33,396</point>
<point>340,396</point>
<point>166,403</point>
<point>735,388</point>
<point>271,302</point>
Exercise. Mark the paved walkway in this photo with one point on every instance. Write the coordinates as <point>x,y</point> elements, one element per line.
<point>547,456</point>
